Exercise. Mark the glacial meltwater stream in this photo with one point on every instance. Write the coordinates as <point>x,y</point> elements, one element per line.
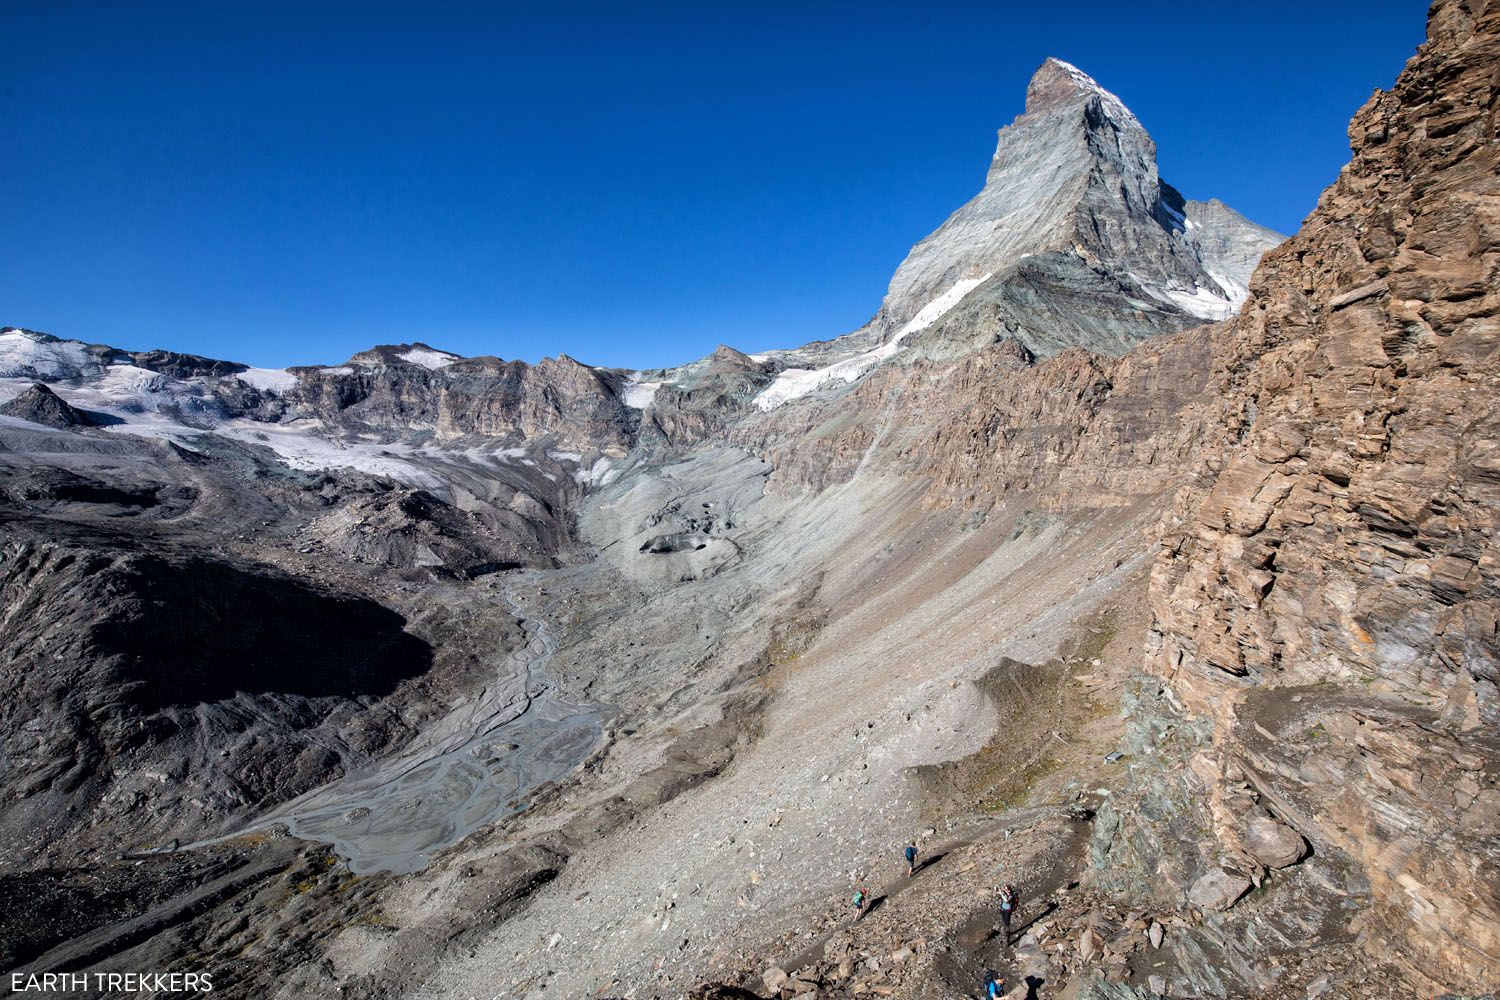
<point>481,764</point>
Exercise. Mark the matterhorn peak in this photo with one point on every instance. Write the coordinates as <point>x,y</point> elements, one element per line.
<point>1057,84</point>
<point>1075,177</point>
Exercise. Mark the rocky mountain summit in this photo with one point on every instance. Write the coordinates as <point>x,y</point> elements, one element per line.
<point>40,405</point>
<point>423,675</point>
<point>1075,175</point>
<point>1074,241</point>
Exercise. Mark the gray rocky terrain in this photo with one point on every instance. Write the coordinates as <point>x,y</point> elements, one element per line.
<point>1093,563</point>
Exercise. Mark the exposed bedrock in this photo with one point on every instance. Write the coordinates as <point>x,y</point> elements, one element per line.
<point>578,405</point>
<point>1341,532</point>
<point>40,405</point>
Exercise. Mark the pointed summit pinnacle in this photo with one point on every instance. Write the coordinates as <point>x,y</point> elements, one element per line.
<point>1057,84</point>
<point>1075,177</point>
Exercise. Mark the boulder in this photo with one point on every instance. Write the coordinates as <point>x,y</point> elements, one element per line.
<point>1273,843</point>
<point>1218,890</point>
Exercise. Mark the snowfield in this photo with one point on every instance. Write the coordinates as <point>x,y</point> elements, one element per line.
<point>797,382</point>
<point>638,395</point>
<point>1201,302</point>
<point>1113,106</point>
<point>23,356</point>
<point>428,358</point>
<point>299,446</point>
<point>277,380</point>
<point>598,474</point>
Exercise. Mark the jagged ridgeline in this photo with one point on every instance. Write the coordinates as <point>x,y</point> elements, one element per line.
<point>1128,555</point>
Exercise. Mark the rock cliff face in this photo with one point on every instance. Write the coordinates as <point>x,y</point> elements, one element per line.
<point>1076,173</point>
<point>1339,539</point>
<point>406,392</point>
<point>1341,526</point>
<point>383,389</point>
<point>704,399</point>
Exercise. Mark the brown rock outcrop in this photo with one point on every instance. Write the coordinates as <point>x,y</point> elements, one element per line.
<point>1076,430</point>
<point>1343,526</point>
<point>578,406</point>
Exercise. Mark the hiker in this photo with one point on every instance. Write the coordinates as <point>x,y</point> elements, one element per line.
<point>1010,903</point>
<point>861,898</point>
<point>911,858</point>
<point>993,987</point>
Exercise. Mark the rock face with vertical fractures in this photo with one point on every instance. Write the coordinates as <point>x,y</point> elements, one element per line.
<point>1074,179</point>
<point>1341,531</point>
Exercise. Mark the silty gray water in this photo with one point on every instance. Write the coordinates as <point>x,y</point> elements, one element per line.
<point>488,758</point>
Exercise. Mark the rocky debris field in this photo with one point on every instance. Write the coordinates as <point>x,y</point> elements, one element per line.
<point>1187,629</point>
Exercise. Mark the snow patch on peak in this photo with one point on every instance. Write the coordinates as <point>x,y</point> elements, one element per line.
<point>429,358</point>
<point>1237,291</point>
<point>934,310</point>
<point>1113,106</point>
<point>638,395</point>
<point>797,382</point>
<point>277,380</point>
<point>127,379</point>
<point>1205,303</point>
<point>25,355</point>
<point>597,474</point>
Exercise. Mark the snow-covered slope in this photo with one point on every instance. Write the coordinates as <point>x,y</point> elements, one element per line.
<point>795,382</point>
<point>28,355</point>
<point>309,418</point>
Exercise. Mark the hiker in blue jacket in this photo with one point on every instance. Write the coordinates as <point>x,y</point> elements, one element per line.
<point>911,858</point>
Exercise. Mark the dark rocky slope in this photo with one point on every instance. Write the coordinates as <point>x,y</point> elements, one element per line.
<point>40,405</point>
<point>150,696</point>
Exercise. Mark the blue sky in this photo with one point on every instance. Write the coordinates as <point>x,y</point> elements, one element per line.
<point>289,183</point>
